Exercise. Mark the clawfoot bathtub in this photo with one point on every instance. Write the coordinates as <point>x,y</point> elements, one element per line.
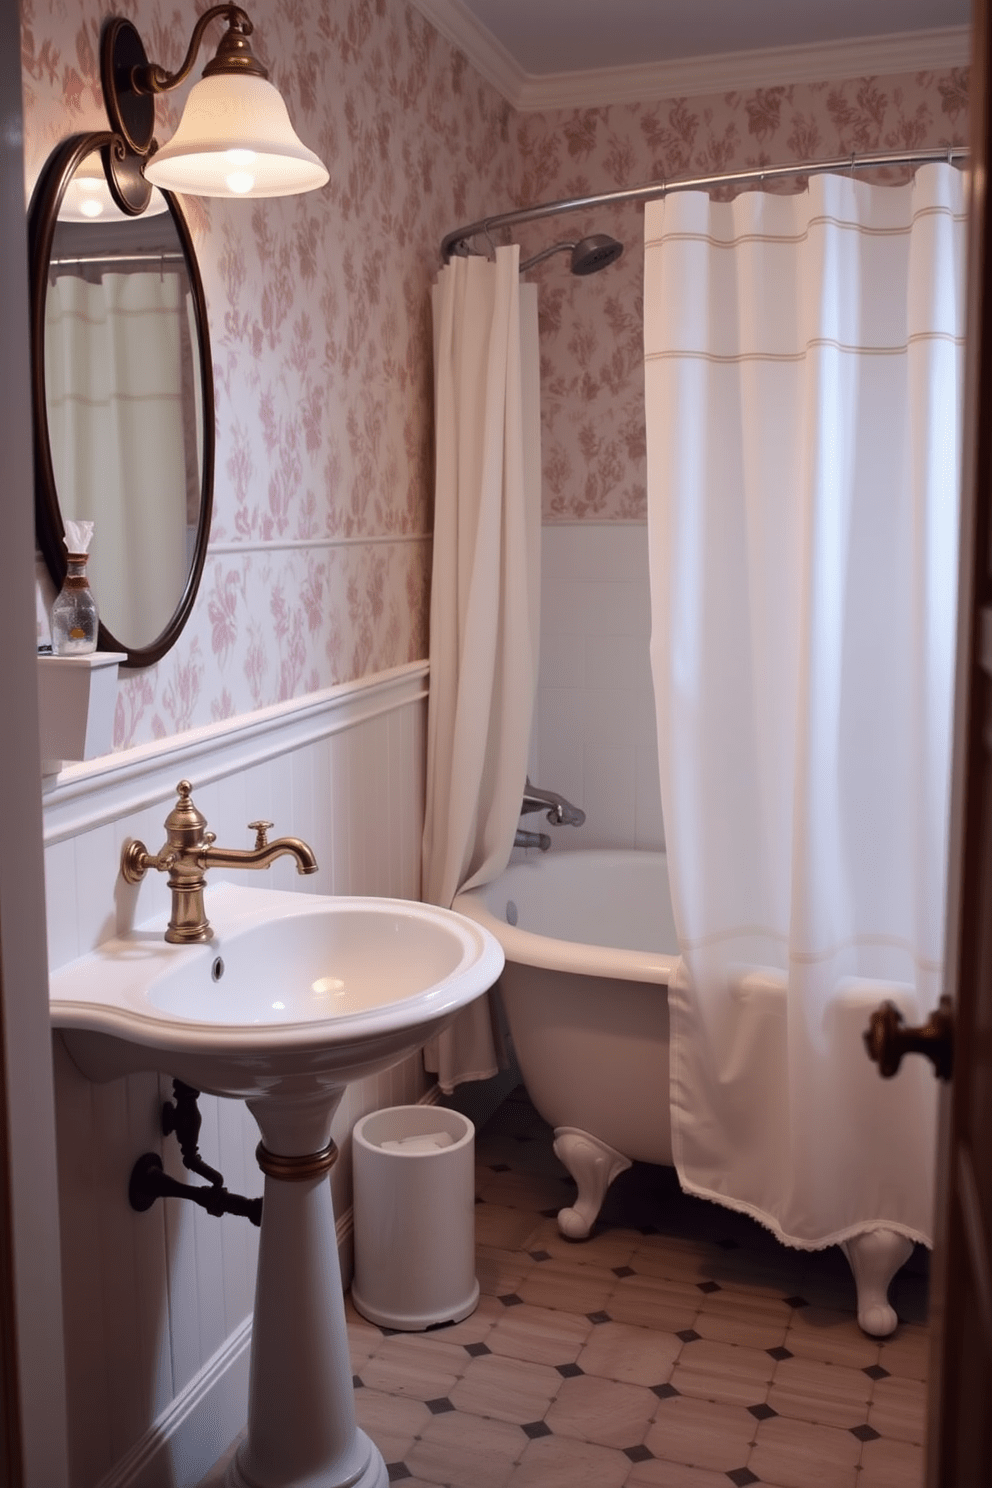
<point>590,946</point>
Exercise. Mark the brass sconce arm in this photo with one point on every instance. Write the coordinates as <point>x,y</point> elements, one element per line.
<point>233,55</point>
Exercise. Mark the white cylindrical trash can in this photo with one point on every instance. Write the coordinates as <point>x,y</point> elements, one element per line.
<point>414,1197</point>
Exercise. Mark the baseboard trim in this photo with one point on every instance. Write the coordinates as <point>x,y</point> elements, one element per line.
<point>186,1440</point>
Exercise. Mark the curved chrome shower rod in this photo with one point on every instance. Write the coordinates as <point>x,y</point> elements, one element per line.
<point>457,241</point>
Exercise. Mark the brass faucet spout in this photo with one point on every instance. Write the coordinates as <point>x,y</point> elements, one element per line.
<point>261,857</point>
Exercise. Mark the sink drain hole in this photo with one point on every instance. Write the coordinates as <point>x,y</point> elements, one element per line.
<point>217,970</point>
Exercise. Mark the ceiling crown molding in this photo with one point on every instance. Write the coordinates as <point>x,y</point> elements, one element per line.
<point>467,34</point>
<point>688,77</point>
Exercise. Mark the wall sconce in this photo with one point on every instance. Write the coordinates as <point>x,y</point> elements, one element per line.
<point>234,139</point>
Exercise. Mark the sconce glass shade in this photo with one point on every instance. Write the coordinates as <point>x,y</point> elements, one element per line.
<point>235,139</point>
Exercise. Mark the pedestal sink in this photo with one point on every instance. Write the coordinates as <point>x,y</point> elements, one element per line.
<point>295,996</point>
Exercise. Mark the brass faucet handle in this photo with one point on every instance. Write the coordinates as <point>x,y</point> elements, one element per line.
<point>261,830</point>
<point>136,861</point>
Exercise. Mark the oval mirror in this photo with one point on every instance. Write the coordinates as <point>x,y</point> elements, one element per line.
<point>122,392</point>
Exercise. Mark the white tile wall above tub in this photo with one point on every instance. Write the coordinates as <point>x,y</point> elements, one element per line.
<point>595,738</point>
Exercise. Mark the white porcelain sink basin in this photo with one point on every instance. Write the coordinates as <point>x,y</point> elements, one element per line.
<point>295,991</point>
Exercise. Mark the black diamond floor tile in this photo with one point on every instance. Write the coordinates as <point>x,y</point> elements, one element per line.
<point>534,1429</point>
<point>742,1476</point>
<point>865,1433</point>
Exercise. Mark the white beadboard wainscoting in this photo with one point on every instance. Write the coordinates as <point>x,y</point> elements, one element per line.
<point>594,738</point>
<point>157,1305</point>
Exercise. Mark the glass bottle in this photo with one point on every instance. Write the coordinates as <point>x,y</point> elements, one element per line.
<point>75,621</point>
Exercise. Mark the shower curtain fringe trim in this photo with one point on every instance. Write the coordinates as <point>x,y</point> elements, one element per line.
<point>837,1237</point>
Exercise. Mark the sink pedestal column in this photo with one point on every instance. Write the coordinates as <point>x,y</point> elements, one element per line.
<point>302,1431</point>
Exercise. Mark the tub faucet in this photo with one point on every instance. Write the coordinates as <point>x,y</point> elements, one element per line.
<point>559,810</point>
<point>189,851</point>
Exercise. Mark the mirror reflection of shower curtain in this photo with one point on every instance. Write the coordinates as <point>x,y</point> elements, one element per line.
<point>485,599</point>
<point>804,364</point>
<point>115,395</point>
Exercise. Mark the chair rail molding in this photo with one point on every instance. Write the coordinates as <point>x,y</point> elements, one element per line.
<point>90,794</point>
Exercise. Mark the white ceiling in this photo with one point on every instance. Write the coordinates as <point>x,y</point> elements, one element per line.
<point>549,36</point>
<point>547,53</point>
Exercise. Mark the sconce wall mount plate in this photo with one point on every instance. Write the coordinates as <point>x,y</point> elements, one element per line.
<point>131,115</point>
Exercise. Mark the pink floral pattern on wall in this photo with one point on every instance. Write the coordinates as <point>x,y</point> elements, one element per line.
<point>592,387</point>
<point>319,310</point>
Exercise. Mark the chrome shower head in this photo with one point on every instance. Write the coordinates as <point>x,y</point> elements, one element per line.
<point>589,255</point>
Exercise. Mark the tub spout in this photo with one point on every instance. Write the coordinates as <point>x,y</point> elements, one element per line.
<point>559,810</point>
<point>532,839</point>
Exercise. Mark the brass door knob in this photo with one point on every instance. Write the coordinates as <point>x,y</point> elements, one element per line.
<point>887,1039</point>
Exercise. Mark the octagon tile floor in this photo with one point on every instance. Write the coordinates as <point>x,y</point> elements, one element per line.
<point>680,1347</point>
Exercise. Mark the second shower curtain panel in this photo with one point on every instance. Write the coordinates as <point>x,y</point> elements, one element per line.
<point>485,599</point>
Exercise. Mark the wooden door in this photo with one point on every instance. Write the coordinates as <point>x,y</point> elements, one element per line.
<point>959,1452</point>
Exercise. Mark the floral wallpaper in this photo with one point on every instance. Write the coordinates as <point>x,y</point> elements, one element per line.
<point>592,390</point>
<point>319,307</point>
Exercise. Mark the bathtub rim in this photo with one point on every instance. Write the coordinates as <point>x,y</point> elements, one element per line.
<point>527,948</point>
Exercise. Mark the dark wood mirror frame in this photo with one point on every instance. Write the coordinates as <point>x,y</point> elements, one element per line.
<point>46,202</point>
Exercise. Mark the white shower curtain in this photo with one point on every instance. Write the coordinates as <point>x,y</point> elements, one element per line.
<point>114,375</point>
<point>803,369</point>
<point>485,599</point>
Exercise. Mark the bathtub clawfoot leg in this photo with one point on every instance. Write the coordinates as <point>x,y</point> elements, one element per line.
<point>875,1256</point>
<point>594,1166</point>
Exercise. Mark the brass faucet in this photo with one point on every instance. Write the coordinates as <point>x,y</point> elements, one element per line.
<point>189,851</point>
